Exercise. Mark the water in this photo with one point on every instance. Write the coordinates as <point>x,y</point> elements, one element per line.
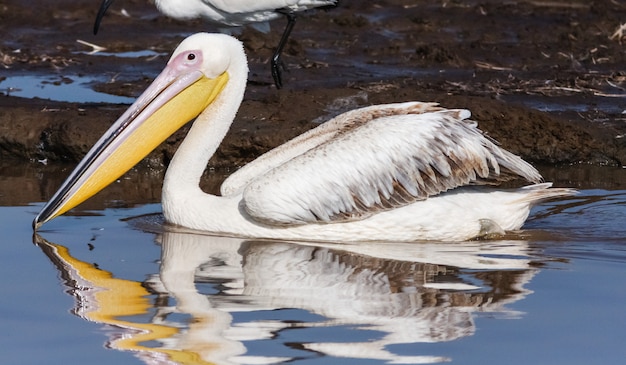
<point>147,53</point>
<point>100,288</point>
<point>69,88</point>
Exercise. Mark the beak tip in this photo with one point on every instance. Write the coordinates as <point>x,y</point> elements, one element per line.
<point>37,223</point>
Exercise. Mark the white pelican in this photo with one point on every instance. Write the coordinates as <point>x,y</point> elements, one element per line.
<point>396,172</point>
<point>235,13</point>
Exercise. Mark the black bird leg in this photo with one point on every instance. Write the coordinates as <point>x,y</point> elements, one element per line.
<point>276,63</point>
<point>103,9</point>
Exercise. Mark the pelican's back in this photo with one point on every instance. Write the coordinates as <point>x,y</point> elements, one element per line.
<point>357,167</point>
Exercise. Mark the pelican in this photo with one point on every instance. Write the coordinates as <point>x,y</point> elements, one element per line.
<point>235,13</point>
<point>395,172</point>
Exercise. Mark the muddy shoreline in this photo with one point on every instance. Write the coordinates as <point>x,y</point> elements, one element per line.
<point>544,78</point>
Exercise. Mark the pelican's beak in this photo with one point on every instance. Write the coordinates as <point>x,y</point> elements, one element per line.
<point>172,100</point>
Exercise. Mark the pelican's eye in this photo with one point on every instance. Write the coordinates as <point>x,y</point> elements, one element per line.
<point>192,58</point>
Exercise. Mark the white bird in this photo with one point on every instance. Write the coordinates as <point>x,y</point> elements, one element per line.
<point>235,13</point>
<point>394,172</point>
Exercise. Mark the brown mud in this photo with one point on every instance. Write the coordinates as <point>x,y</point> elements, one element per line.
<point>544,78</point>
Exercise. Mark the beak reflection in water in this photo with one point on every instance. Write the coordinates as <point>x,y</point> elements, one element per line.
<point>398,293</point>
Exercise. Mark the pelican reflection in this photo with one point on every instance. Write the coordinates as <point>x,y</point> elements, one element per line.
<point>404,293</point>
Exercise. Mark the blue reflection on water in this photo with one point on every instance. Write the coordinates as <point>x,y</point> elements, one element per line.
<point>566,306</point>
<point>130,54</point>
<point>66,88</point>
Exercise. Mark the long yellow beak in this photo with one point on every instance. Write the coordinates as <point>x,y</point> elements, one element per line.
<point>172,100</point>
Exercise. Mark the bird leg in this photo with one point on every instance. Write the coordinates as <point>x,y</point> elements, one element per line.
<point>103,9</point>
<point>276,63</point>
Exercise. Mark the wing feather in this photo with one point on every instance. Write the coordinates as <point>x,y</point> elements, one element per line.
<point>384,163</point>
<point>325,132</point>
<point>251,6</point>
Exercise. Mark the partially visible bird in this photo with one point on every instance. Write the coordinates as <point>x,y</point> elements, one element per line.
<point>392,172</point>
<point>236,13</point>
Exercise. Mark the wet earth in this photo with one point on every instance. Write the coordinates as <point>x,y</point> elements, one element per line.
<point>544,78</point>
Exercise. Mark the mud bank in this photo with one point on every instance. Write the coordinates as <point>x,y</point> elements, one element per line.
<point>544,78</point>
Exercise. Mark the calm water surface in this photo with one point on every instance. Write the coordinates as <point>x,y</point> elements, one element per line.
<point>100,288</point>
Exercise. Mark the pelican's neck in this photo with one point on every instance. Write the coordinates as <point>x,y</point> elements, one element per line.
<point>205,135</point>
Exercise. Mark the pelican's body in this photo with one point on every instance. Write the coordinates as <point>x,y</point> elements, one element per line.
<point>235,13</point>
<point>397,172</point>
<point>227,12</point>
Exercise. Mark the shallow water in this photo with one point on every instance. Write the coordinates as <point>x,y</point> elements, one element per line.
<point>70,88</point>
<point>111,285</point>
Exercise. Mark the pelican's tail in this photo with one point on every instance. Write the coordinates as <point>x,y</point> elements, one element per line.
<point>537,193</point>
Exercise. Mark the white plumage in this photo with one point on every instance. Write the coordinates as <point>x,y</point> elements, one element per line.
<point>235,12</point>
<point>398,172</point>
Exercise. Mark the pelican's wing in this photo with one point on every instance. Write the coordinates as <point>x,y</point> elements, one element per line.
<point>385,163</point>
<point>325,132</point>
<point>251,6</point>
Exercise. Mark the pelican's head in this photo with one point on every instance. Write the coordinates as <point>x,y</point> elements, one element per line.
<point>194,77</point>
